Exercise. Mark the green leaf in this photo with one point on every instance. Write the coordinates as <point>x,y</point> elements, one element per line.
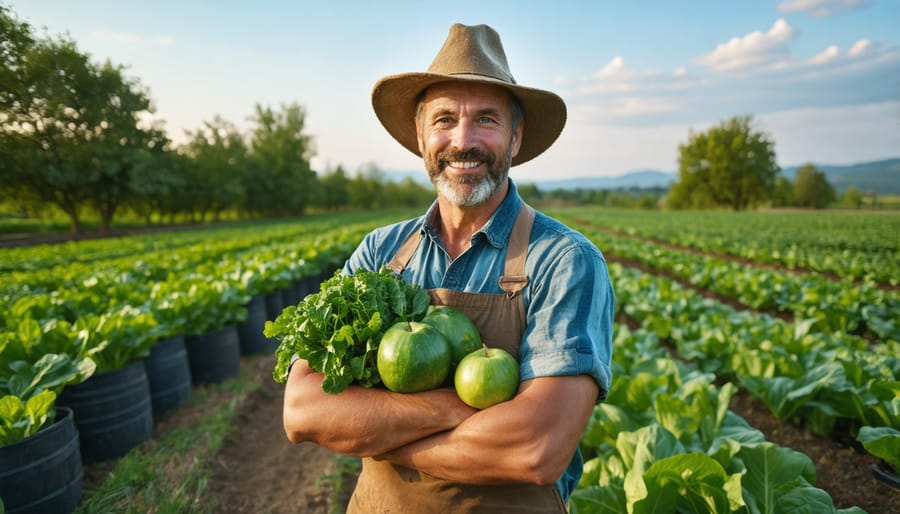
<point>690,482</point>
<point>882,442</point>
<point>769,468</point>
<point>337,330</point>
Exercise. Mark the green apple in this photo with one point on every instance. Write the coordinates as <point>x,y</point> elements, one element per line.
<point>486,377</point>
<point>413,357</point>
<point>459,330</point>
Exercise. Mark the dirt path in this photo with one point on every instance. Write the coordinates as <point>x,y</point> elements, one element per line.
<point>258,470</point>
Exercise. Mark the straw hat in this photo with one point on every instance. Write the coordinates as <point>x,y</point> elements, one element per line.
<point>470,54</point>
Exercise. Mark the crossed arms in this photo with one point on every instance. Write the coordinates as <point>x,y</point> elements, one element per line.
<point>530,438</point>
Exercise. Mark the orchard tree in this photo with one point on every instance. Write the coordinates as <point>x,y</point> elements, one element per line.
<point>156,181</point>
<point>120,142</point>
<point>335,187</point>
<point>730,165</point>
<point>365,189</point>
<point>406,193</point>
<point>40,122</point>
<point>281,180</point>
<point>68,127</point>
<point>219,158</point>
<point>812,189</point>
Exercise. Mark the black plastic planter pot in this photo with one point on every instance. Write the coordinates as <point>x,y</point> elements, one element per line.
<point>214,356</point>
<point>42,473</point>
<point>113,411</point>
<point>250,331</point>
<point>882,474</point>
<point>274,304</point>
<point>169,374</point>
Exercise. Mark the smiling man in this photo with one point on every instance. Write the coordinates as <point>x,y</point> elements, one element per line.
<point>533,287</point>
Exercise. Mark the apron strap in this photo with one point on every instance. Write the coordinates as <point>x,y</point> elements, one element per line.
<point>513,279</point>
<point>405,253</point>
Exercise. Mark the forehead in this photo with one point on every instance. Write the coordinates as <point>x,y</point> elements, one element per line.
<point>471,94</point>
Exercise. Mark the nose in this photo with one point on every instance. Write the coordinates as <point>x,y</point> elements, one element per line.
<point>463,134</point>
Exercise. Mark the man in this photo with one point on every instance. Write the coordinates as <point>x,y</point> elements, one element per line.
<point>532,286</point>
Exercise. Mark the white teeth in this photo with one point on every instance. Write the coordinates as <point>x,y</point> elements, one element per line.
<point>465,165</point>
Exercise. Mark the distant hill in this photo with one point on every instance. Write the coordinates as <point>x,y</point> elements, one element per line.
<point>882,177</point>
<point>641,179</point>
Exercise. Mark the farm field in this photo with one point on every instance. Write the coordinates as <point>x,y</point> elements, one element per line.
<point>745,343</point>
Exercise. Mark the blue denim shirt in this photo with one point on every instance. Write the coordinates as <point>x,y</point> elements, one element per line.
<point>568,300</point>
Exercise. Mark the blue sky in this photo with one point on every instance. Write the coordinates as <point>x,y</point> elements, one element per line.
<point>820,77</point>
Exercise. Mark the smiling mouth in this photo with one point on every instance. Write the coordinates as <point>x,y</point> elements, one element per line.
<point>464,165</point>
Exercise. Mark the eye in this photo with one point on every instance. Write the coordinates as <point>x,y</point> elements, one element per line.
<point>487,120</point>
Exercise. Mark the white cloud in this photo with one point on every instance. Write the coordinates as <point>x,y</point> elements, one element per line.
<point>860,48</point>
<point>820,8</point>
<point>626,107</point>
<point>828,55</point>
<point>613,68</point>
<point>834,135</point>
<point>756,49</point>
<point>129,38</point>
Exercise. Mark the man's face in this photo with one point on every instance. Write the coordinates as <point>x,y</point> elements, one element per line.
<point>467,140</point>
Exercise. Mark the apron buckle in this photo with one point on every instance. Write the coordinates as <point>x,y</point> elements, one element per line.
<point>513,284</point>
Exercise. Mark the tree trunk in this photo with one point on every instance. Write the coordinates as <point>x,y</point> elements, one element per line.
<point>74,223</point>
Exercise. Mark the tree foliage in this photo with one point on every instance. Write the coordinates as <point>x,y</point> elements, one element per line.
<point>281,181</point>
<point>730,165</point>
<point>70,128</point>
<point>812,189</point>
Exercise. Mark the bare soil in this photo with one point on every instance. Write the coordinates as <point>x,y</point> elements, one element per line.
<point>258,470</point>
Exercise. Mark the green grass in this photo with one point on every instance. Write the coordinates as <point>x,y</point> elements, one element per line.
<point>345,467</point>
<point>169,474</point>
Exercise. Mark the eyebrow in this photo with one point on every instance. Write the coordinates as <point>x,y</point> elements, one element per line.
<point>488,111</point>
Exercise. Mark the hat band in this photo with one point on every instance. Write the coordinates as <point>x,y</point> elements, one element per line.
<point>478,76</point>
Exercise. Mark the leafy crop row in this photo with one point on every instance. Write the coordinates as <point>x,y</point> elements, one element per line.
<point>665,441</point>
<point>831,305</point>
<point>59,328</point>
<point>857,246</point>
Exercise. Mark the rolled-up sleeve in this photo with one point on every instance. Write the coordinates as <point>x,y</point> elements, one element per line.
<point>570,313</point>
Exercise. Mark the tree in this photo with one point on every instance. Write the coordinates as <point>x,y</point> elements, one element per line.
<point>811,188</point>
<point>783,192</point>
<point>335,189</point>
<point>366,187</point>
<point>282,181</point>
<point>155,183</point>
<point>730,165</point>
<point>219,158</point>
<point>853,197</point>
<point>120,143</point>
<point>68,127</point>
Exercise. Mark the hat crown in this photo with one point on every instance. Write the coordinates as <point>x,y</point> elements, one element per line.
<point>472,50</point>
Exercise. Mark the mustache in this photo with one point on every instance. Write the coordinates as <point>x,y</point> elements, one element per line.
<point>472,154</point>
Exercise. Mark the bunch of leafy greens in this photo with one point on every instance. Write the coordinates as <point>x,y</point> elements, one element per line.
<point>338,329</point>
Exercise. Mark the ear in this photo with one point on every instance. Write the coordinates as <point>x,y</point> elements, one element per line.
<point>517,138</point>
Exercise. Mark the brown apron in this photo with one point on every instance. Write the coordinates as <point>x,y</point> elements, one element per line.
<point>383,487</point>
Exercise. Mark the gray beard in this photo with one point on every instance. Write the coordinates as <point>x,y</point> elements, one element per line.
<point>480,192</point>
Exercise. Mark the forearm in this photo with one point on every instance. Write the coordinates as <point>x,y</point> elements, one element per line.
<point>362,421</point>
<point>529,439</point>
<point>466,454</point>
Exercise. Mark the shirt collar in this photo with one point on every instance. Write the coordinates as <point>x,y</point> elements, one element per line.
<point>497,228</point>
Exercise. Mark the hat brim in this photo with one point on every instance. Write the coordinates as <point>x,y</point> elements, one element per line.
<point>394,100</point>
